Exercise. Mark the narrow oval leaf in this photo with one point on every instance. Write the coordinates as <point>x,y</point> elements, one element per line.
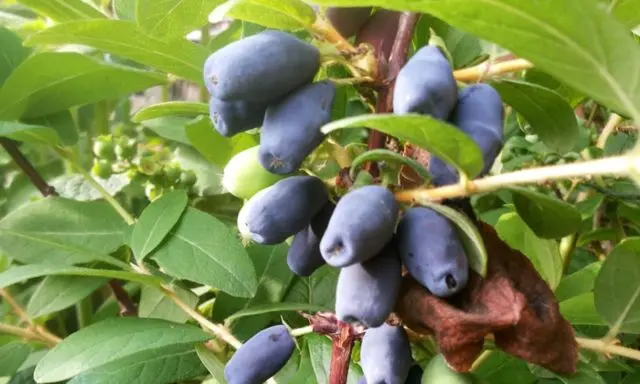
<point>171,108</point>
<point>274,277</point>
<point>50,82</point>
<point>387,155</point>
<point>172,18</point>
<point>548,217</point>
<point>155,304</point>
<point>156,221</point>
<point>628,12</point>
<point>601,61</point>
<point>60,231</point>
<point>617,290</point>
<point>288,15</point>
<point>123,38</point>
<point>581,310</point>
<point>470,236</point>
<point>441,139</point>
<point>171,364</point>
<point>578,282</point>
<point>550,115</point>
<point>13,52</point>
<point>63,123</point>
<point>12,355</point>
<point>203,249</point>
<point>543,253</point>
<point>16,275</point>
<point>56,293</point>
<point>115,340</point>
<point>212,362</point>
<point>64,10</point>
<point>276,308</point>
<point>28,132</point>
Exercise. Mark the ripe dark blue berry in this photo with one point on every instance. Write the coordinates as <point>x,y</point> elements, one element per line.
<point>304,255</point>
<point>232,117</point>
<point>367,292</point>
<point>348,20</point>
<point>261,68</point>
<point>426,85</point>
<point>361,225</point>
<point>432,252</point>
<point>260,357</point>
<point>385,355</point>
<point>291,128</point>
<point>479,114</point>
<point>282,210</point>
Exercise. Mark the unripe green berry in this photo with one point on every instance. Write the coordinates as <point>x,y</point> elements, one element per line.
<point>172,174</point>
<point>148,165</point>
<point>103,148</point>
<point>125,149</point>
<point>102,168</point>
<point>244,176</point>
<point>188,179</point>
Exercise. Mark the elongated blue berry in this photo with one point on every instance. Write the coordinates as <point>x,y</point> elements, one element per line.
<point>367,292</point>
<point>262,67</point>
<point>282,210</point>
<point>431,251</point>
<point>291,128</point>
<point>426,85</point>
<point>361,225</point>
<point>232,117</point>
<point>479,114</point>
<point>385,355</point>
<point>260,357</point>
<point>304,255</point>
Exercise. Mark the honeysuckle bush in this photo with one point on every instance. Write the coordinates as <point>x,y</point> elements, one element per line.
<point>120,260</point>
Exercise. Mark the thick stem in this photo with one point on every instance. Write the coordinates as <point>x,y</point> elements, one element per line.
<point>101,118</point>
<point>341,354</point>
<point>84,312</point>
<point>27,168</point>
<point>486,70</point>
<point>607,348</point>
<point>608,129</point>
<point>615,166</point>
<point>26,334</point>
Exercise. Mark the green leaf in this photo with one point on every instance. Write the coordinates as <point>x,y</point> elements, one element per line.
<point>156,305</point>
<point>18,274</point>
<point>169,127</point>
<point>463,47</point>
<point>441,139</point>
<point>62,122</point>
<point>172,18</point>
<point>213,146</point>
<point>548,217</point>
<point>28,133</point>
<point>627,11</point>
<point>211,361</point>
<point>550,116</point>
<point>600,59</point>
<point>50,82</point>
<point>124,9</point>
<point>617,292</point>
<point>76,187</point>
<point>204,250</point>
<point>117,342</point>
<point>578,282</point>
<point>275,307</point>
<point>543,253</point>
<point>56,293</point>
<point>318,289</point>
<point>12,355</point>
<point>171,108</point>
<point>13,53</point>
<point>274,277</point>
<point>469,234</point>
<point>598,234</point>
<point>581,310</point>
<point>320,354</point>
<point>586,375</point>
<point>64,10</point>
<point>156,221</point>
<point>123,38</point>
<point>170,364</point>
<point>501,368</point>
<point>60,231</point>
<point>389,156</point>
<point>288,15</point>
<point>543,79</point>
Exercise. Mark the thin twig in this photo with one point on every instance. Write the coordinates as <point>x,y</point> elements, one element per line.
<point>618,166</point>
<point>608,129</point>
<point>27,168</point>
<point>38,331</point>
<point>607,348</point>
<point>27,334</point>
<point>127,306</point>
<point>17,309</point>
<point>488,69</point>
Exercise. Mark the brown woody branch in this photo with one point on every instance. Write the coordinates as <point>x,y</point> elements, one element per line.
<point>25,165</point>
<point>127,306</point>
